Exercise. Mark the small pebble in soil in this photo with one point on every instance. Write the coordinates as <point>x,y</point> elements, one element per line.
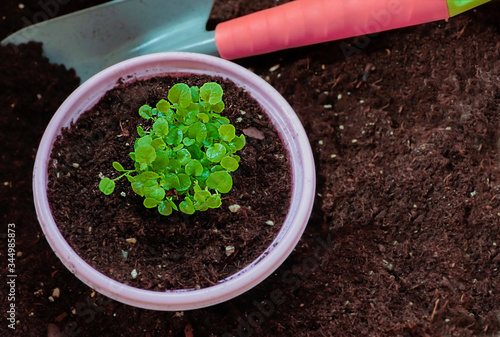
<point>21,6</point>
<point>131,240</point>
<point>234,208</point>
<point>387,265</point>
<point>56,292</point>
<point>229,250</point>
<point>274,68</point>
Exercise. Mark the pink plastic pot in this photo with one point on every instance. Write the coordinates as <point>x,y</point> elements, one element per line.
<point>281,115</point>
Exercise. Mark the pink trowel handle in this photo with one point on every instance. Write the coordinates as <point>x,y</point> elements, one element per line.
<point>304,22</point>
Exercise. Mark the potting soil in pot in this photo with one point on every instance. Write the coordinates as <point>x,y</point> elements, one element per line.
<point>121,238</point>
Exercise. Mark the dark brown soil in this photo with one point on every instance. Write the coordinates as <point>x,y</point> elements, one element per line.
<point>178,251</point>
<point>404,238</point>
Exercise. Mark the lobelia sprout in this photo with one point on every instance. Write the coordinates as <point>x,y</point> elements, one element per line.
<point>189,151</point>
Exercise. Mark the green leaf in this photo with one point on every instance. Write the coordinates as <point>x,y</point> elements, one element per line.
<point>160,127</point>
<point>202,195</point>
<point>117,166</point>
<point>184,182</point>
<point>220,181</point>
<point>205,174</point>
<point>196,187</point>
<point>211,92</point>
<point>195,93</point>
<point>173,165</point>
<point>170,201</point>
<point>187,206</point>
<point>161,161</point>
<point>170,181</point>
<point>164,208</point>
<point>107,186</point>
<point>183,156</point>
<point>180,93</point>
<point>178,147</point>
<point>216,152</point>
<point>175,136</point>
<point>138,187</point>
<point>229,163</point>
<point>140,131</point>
<point>163,106</point>
<point>194,168</point>
<point>158,144</point>
<point>212,130</point>
<point>227,132</point>
<point>204,117</point>
<point>180,113</point>
<point>222,120</point>
<point>195,150</point>
<point>216,168</point>
<point>219,107</point>
<point>214,201</point>
<point>145,154</point>
<point>238,143</point>
<point>201,206</point>
<point>144,177</point>
<point>188,141</point>
<point>191,117</point>
<point>154,192</point>
<point>198,131</point>
<point>151,203</point>
<point>143,141</point>
<point>145,111</point>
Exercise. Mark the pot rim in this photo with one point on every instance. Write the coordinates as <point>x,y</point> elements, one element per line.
<point>281,115</point>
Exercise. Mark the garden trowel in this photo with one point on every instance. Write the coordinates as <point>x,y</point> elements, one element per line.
<point>95,38</point>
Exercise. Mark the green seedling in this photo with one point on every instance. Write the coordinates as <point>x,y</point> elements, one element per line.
<point>189,151</point>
